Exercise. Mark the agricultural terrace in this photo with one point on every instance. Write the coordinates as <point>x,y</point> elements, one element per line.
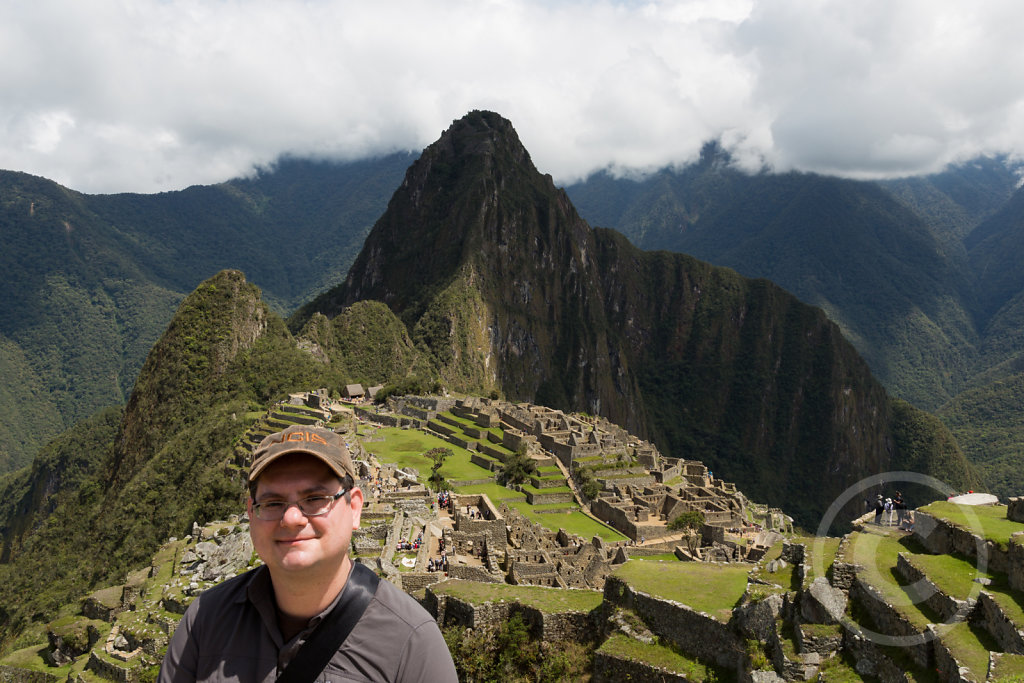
<point>710,588</point>
<point>550,600</point>
<point>987,521</point>
<point>878,551</point>
<point>406,448</point>
<point>661,657</point>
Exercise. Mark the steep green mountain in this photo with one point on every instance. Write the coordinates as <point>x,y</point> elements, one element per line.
<point>957,199</point>
<point>506,288</point>
<point>848,247</point>
<point>98,500</point>
<point>996,252</point>
<point>91,281</point>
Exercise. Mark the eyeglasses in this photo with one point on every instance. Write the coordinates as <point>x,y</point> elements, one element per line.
<point>314,506</point>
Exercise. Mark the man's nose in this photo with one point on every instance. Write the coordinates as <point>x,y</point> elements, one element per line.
<point>293,516</point>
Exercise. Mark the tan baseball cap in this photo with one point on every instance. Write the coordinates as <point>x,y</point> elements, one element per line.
<point>316,441</point>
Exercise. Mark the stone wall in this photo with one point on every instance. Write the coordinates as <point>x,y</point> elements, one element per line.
<point>922,589</point>
<point>997,623</point>
<point>110,670</point>
<point>793,553</point>
<point>387,420</point>
<point>550,627</point>
<point>547,498</point>
<point>491,451</point>
<point>1015,509</point>
<point>472,574</point>
<point>1015,561</point>
<point>943,538</point>
<point>415,581</point>
<point>887,619</point>
<point>699,635</point>
<point>946,664</point>
<point>871,661</point>
<point>11,674</point>
<point>611,669</point>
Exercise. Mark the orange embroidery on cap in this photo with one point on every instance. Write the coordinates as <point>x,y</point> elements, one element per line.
<point>306,436</point>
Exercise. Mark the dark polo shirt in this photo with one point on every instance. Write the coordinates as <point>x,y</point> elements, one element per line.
<point>230,633</point>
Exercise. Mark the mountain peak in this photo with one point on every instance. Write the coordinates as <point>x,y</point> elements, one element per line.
<point>473,189</point>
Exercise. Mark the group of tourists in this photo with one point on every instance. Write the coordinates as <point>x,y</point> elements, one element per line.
<point>411,545</point>
<point>893,512</point>
<point>438,565</point>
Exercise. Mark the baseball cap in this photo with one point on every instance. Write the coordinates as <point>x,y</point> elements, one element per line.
<point>316,441</point>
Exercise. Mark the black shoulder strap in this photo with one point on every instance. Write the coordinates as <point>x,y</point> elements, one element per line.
<point>327,637</point>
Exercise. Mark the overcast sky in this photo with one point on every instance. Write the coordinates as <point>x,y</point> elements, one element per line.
<point>151,95</point>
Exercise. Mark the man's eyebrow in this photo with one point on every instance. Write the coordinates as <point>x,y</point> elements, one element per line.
<point>318,490</point>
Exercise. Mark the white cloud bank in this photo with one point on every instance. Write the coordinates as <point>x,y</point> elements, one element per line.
<point>149,95</point>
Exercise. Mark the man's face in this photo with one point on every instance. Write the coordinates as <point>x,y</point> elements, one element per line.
<point>297,543</point>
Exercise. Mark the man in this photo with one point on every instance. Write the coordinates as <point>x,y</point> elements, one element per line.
<point>879,509</point>
<point>303,506</point>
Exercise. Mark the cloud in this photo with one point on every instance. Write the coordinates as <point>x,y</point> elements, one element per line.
<point>149,95</point>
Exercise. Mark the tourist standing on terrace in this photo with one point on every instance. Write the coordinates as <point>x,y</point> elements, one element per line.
<point>288,620</point>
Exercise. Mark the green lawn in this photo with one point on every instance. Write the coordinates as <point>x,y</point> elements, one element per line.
<point>660,656</point>
<point>405,448</point>
<point>1009,667</point>
<point>828,547</point>
<point>988,521</point>
<point>877,552</point>
<point>970,647</point>
<point>496,492</point>
<point>710,588</point>
<point>550,600</point>
<point>661,557</point>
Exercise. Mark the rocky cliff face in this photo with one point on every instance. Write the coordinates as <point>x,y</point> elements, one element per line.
<point>497,277</point>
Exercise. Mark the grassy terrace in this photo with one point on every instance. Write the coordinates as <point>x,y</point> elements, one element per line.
<point>1009,668</point>
<point>970,646</point>
<point>877,551</point>
<point>659,656</point>
<point>405,448</point>
<point>551,600</point>
<point>955,576</point>
<point>827,546</point>
<point>660,557</point>
<point>710,588</point>
<point>988,521</point>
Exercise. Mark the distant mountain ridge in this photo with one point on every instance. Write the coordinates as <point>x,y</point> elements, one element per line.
<point>92,280</point>
<point>924,275</point>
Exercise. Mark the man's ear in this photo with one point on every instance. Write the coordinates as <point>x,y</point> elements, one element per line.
<point>248,508</point>
<point>356,503</point>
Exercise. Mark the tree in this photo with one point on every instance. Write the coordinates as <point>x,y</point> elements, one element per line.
<point>436,479</point>
<point>690,521</point>
<point>518,467</point>
<point>589,486</point>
